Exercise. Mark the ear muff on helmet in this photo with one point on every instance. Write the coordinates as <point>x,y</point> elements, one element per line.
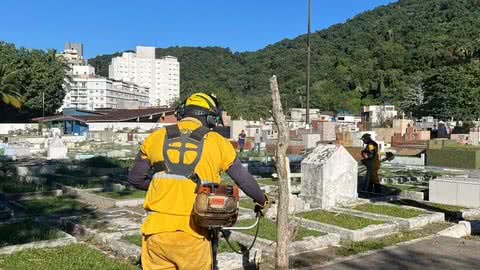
<point>180,110</point>
<point>213,114</point>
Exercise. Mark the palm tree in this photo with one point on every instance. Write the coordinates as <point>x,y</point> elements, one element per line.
<point>9,89</point>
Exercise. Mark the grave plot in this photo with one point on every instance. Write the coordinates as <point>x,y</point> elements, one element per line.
<point>406,217</point>
<point>26,233</point>
<point>72,257</point>
<point>452,212</point>
<point>348,226</point>
<point>53,206</point>
<point>305,238</point>
<point>106,227</point>
<point>11,188</point>
<point>408,191</point>
<point>124,197</point>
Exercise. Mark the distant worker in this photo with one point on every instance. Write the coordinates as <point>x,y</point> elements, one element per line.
<point>242,137</point>
<point>257,140</point>
<point>371,160</point>
<point>180,156</point>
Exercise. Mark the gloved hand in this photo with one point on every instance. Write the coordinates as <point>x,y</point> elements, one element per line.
<point>261,209</point>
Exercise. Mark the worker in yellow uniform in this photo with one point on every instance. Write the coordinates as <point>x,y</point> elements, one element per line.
<point>179,156</point>
<point>371,160</point>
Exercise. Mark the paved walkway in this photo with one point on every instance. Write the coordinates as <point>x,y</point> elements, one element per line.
<point>436,253</point>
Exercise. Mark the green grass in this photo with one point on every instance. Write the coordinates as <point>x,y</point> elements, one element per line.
<point>449,210</point>
<point>71,257</point>
<point>453,208</point>
<point>247,203</point>
<point>75,181</point>
<point>135,239</point>
<point>53,205</point>
<point>224,247</point>
<point>393,211</point>
<point>340,220</point>
<point>106,162</point>
<point>9,185</point>
<point>348,248</point>
<point>430,206</point>
<point>268,230</point>
<point>26,231</point>
<point>124,194</point>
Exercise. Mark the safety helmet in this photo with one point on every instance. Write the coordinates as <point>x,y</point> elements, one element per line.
<point>366,136</point>
<point>201,104</point>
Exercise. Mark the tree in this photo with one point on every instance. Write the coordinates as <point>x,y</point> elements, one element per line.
<point>379,56</point>
<point>284,232</point>
<point>9,89</point>
<point>37,74</point>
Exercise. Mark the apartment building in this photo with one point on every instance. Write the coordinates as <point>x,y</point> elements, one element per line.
<point>160,75</point>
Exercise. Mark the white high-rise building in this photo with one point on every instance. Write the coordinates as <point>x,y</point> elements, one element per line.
<point>87,91</point>
<point>161,76</point>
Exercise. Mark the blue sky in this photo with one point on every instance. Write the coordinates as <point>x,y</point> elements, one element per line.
<point>107,26</point>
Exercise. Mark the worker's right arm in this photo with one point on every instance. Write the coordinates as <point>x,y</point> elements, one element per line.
<point>246,182</point>
<point>138,176</point>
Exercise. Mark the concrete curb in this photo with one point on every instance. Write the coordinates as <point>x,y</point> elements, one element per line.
<point>64,241</point>
<point>297,247</point>
<point>371,231</point>
<point>470,213</point>
<point>408,223</point>
<point>462,229</point>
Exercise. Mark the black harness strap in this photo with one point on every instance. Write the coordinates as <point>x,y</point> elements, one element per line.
<point>176,140</point>
<point>198,133</point>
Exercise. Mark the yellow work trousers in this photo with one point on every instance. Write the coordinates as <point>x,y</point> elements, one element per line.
<point>373,174</point>
<point>175,250</point>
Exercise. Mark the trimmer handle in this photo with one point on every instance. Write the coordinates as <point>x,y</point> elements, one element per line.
<point>244,228</point>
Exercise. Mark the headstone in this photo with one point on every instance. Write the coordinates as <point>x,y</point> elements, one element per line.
<point>21,150</point>
<point>329,176</point>
<point>56,149</point>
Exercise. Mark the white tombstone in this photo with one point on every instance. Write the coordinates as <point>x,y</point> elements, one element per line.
<point>56,149</point>
<point>329,176</point>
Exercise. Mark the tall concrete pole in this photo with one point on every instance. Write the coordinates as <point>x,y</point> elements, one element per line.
<point>307,115</point>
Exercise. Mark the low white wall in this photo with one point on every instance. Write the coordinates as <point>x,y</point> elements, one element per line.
<point>409,160</point>
<point>5,128</point>
<point>100,126</point>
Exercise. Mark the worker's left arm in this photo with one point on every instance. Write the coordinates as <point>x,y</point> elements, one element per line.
<point>370,151</point>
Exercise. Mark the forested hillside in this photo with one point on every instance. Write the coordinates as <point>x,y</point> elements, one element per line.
<point>422,55</point>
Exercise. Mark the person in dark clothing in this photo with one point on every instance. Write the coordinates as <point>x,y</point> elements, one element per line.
<point>241,140</point>
<point>371,160</point>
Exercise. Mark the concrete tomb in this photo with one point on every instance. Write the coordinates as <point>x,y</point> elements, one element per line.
<point>329,176</point>
<point>461,191</point>
<point>56,149</point>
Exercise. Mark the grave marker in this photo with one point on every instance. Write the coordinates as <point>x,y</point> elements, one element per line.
<point>329,176</point>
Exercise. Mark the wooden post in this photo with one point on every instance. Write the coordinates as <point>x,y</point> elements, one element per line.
<point>283,228</point>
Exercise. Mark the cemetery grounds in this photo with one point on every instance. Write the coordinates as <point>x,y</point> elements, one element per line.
<point>84,214</point>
